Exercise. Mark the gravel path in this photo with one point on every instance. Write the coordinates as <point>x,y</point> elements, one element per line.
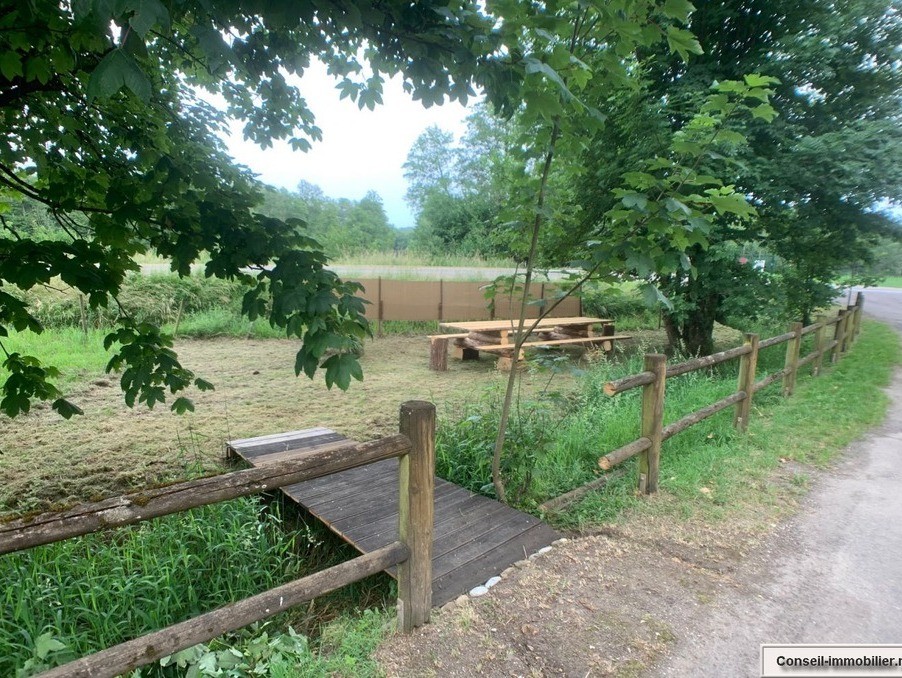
<point>833,574</point>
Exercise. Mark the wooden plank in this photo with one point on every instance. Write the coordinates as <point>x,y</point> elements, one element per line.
<point>384,518</point>
<point>253,451</point>
<point>448,586</point>
<point>589,341</point>
<point>361,506</point>
<point>498,325</point>
<point>156,502</point>
<point>476,546</point>
<point>367,505</point>
<point>342,484</point>
<point>321,445</point>
<point>248,443</point>
<point>472,509</point>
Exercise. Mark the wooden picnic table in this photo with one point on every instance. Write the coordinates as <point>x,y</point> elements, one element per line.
<point>495,336</point>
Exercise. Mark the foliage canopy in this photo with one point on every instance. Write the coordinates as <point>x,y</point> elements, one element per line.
<point>105,119</point>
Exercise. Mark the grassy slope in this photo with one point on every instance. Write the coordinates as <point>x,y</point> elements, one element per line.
<point>710,469</point>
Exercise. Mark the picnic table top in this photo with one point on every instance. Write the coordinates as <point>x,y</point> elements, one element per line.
<point>511,324</point>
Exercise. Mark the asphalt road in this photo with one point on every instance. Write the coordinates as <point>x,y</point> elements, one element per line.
<point>832,574</point>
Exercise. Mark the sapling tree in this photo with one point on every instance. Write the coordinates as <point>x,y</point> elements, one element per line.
<point>575,58</point>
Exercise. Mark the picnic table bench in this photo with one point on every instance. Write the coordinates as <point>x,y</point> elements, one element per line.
<point>495,337</point>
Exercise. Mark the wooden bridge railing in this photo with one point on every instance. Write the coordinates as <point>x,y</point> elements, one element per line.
<point>847,326</point>
<point>412,553</point>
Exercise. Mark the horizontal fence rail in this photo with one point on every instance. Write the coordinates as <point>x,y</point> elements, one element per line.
<point>846,327</point>
<point>127,656</point>
<point>153,503</point>
<point>414,445</point>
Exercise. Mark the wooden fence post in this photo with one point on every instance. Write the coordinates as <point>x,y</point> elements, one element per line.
<point>859,309</point>
<point>380,310</point>
<point>791,365</point>
<point>820,341</point>
<point>848,327</point>
<point>838,335</point>
<point>747,366</point>
<point>416,490</point>
<point>652,422</point>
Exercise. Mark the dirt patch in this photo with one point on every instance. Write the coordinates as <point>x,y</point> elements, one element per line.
<point>612,603</point>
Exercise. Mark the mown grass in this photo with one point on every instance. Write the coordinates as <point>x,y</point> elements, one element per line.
<point>891,281</point>
<point>562,425</point>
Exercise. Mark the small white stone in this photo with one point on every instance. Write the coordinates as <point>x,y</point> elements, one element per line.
<point>544,549</point>
<point>478,591</point>
<point>461,599</point>
<point>558,542</point>
<point>491,582</point>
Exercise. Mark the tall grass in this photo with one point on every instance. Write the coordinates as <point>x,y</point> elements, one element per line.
<point>98,590</point>
<point>555,441</point>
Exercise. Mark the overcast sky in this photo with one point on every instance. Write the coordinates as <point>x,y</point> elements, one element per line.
<point>360,151</point>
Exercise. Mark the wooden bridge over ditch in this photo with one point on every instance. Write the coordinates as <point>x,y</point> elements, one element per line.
<point>474,537</point>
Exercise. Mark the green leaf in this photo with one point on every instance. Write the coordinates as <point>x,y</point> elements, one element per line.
<point>66,409</point>
<point>203,385</point>
<point>682,42</point>
<point>757,80</point>
<point>45,644</point>
<point>634,200</point>
<point>115,71</point>
<point>181,405</point>
<point>765,112</point>
<point>10,64</point>
<point>533,65</point>
<point>678,9</point>
<point>149,13</point>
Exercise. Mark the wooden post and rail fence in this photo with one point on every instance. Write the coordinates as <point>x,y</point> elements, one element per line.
<point>415,448</point>
<point>653,380</point>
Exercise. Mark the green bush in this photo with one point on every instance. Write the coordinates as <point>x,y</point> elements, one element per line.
<point>626,307</point>
<point>149,298</point>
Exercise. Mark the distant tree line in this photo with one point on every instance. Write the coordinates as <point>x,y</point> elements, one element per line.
<point>340,225</point>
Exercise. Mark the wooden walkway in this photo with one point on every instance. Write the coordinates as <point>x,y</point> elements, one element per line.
<point>474,537</point>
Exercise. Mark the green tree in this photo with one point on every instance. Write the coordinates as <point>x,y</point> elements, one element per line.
<point>575,59</point>
<point>429,168</point>
<point>105,121</point>
<point>457,190</point>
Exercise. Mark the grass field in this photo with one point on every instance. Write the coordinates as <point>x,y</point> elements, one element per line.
<point>113,448</point>
<point>563,424</point>
<point>892,281</point>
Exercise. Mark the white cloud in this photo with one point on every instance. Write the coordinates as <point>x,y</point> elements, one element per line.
<point>360,151</point>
